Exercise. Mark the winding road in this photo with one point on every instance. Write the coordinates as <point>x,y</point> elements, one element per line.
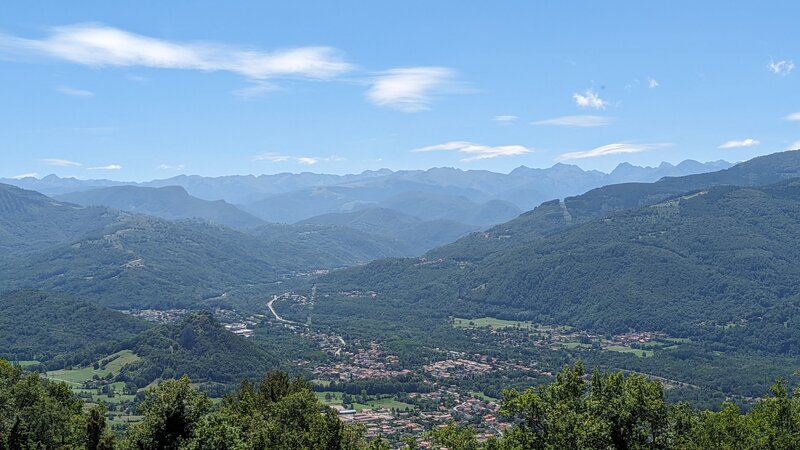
<point>291,322</point>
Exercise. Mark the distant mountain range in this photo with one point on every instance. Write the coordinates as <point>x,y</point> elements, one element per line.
<point>524,187</point>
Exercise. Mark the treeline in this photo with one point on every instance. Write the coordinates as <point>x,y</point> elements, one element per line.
<point>604,410</point>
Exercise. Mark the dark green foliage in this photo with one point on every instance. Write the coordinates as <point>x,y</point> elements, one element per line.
<point>199,347</point>
<point>172,412</point>
<point>617,412</point>
<point>278,413</point>
<point>55,328</point>
<point>97,437</point>
<point>455,437</point>
<point>38,414</point>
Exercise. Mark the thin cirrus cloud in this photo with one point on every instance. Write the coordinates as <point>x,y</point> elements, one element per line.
<point>75,92</point>
<point>612,149</point>
<point>793,117</point>
<point>782,67</point>
<point>175,167</point>
<point>98,45</point>
<point>59,162</point>
<point>505,119</point>
<point>411,89</point>
<point>749,142</point>
<point>576,121</point>
<point>475,152</point>
<point>305,160</point>
<point>652,83</point>
<point>108,167</point>
<point>589,99</point>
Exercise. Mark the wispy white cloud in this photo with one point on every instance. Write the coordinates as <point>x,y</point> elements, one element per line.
<point>108,167</point>
<point>576,121</point>
<point>793,117</point>
<point>652,83</point>
<point>257,88</point>
<point>272,157</point>
<point>59,162</point>
<point>476,152</point>
<point>75,92</point>
<point>738,144</point>
<point>589,99</point>
<point>102,46</point>
<point>782,67</point>
<point>305,160</point>
<point>25,175</point>
<point>612,149</point>
<point>794,145</point>
<point>505,119</point>
<point>175,167</point>
<point>411,89</point>
<point>308,160</point>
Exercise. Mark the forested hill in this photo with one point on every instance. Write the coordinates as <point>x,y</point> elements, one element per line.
<point>30,221</point>
<point>59,330</point>
<point>553,215</point>
<point>718,265</point>
<point>197,346</point>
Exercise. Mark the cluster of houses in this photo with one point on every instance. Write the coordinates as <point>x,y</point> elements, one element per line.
<point>160,315</point>
<point>364,364</point>
<point>457,368</point>
<point>451,406</point>
<point>240,328</point>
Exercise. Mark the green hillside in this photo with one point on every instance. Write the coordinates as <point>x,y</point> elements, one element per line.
<point>126,261</point>
<point>44,327</point>
<point>199,347</point>
<point>145,262</point>
<point>30,221</point>
<point>553,215</point>
<point>715,265</point>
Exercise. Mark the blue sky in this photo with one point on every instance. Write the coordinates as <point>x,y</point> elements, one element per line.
<point>143,90</point>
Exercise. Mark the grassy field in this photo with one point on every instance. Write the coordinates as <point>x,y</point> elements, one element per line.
<point>108,365</point>
<point>24,364</point>
<point>482,396</point>
<point>574,345</point>
<point>486,322</point>
<point>625,349</point>
<point>373,402</point>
